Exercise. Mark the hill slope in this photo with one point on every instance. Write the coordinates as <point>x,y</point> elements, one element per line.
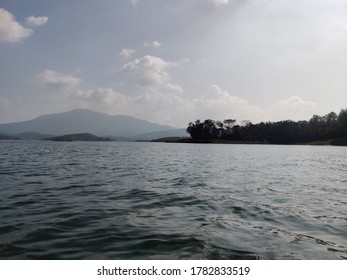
<point>84,121</point>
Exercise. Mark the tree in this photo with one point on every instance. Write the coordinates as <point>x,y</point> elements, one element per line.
<point>330,129</point>
<point>220,128</point>
<point>342,123</point>
<point>205,130</point>
<point>328,126</point>
<point>316,127</point>
<point>195,129</point>
<point>228,125</point>
<point>210,131</point>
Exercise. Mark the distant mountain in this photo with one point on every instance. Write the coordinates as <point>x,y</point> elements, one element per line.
<point>78,137</point>
<point>86,121</point>
<point>9,137</point>
<point>32,136</point>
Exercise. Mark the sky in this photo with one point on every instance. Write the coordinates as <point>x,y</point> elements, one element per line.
<point>172,62</point>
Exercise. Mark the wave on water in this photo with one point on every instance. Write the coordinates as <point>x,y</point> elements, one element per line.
<point>168,201</point>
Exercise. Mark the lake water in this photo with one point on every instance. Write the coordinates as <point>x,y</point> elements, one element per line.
<point>112,200</point>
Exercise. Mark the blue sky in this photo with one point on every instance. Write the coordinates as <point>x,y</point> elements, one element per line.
<point>173,62</point>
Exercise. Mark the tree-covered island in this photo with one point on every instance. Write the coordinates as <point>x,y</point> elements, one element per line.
<point>330,129</point>
<point>79,137</point>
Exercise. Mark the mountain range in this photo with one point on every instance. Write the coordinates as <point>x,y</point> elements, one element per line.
<point>87,121</point>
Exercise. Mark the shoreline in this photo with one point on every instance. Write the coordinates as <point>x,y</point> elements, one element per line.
<point>326,142</point>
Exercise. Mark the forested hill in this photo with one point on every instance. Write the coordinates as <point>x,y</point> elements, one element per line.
<point>330,127</point>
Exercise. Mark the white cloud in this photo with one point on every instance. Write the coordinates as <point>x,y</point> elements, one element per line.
<point>10,30</point>
<point>295,102</point>
<point>293,108</point>
<point>174,108</point>
<point>162,108</point>
<point>152,106</point>
<point>134,2</point>
<point>184,60</point>
<point>79,94</point>
<point>149,70</point>
<point>218,104</point>
<point>154,44</point>
<point>57,80</point>
<point>36,21</point>
<point>99,97</point>
<point>173,88</point>
<point>219,3</point>
<point>126,52</point>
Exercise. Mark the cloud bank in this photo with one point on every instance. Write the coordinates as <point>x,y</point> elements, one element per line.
<point>163,102</point>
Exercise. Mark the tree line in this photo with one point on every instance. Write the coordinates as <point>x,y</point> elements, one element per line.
<point>329,126</point>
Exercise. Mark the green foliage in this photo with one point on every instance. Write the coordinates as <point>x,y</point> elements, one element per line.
<point>342,123</point>
<point>330,126</point>
<point>206,130</point>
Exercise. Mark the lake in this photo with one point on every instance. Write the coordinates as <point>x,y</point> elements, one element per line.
<point>122,200</point>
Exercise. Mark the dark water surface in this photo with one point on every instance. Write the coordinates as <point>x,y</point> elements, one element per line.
<point>109,200</point>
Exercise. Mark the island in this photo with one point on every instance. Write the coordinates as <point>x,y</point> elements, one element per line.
<point>79,137</point>
<point>330,129</point>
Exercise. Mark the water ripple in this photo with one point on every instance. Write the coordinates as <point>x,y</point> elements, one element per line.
<point>162,201</point>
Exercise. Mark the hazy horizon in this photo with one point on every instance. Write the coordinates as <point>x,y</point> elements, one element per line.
<point>172,62</point>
